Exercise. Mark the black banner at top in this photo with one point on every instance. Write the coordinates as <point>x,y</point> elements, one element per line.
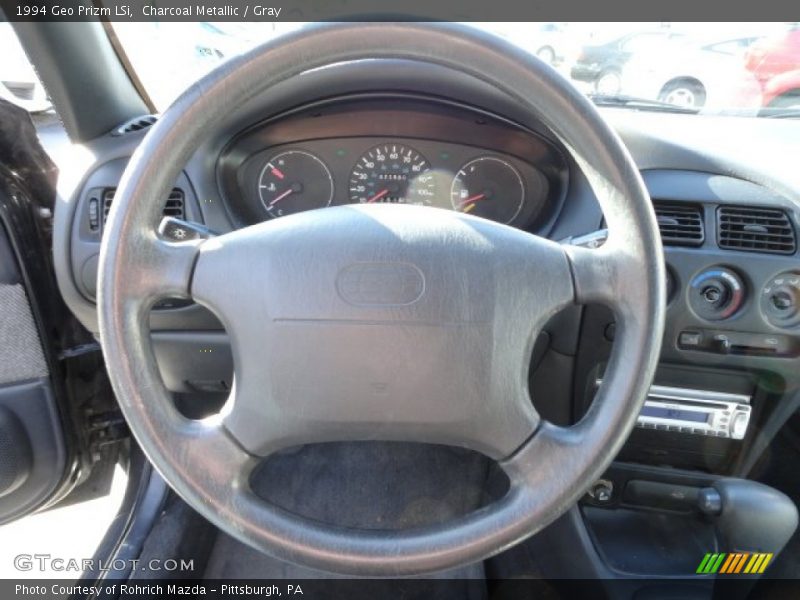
<point>398,10</point>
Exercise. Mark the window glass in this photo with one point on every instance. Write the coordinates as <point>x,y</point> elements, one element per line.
<point>736,68</point>
<point>19,83</point>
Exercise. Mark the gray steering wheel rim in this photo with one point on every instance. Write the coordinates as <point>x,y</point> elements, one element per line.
<point>548,473</point>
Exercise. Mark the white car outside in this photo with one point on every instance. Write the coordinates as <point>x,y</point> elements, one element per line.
<point>694,75</point>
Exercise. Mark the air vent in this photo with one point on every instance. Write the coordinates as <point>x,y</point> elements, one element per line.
<point>174,207</point>
<point>680,224</point>
<point>136,124</point>
<point>754,229</point>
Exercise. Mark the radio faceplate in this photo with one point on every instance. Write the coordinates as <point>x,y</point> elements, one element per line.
<point>696,412</point>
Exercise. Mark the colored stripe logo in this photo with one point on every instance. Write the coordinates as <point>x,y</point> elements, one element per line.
<point>734,563</point>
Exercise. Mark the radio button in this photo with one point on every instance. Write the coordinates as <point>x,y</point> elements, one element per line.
<point>739,426</point>
<point>690,339</point>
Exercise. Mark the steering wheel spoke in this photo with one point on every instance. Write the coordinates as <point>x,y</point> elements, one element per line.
<point>170,272</point>
<point>602,275</point>
<point>157,268</point>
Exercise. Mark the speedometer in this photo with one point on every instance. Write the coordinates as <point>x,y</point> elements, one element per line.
<point>392,173</point>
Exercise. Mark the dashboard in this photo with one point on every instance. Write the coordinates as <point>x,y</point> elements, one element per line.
<point>727,210</point>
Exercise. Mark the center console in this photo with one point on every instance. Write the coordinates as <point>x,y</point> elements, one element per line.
<point>680,486</point>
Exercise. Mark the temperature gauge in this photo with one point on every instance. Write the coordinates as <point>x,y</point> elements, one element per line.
<point>294,181</point>
<point>488,187</point>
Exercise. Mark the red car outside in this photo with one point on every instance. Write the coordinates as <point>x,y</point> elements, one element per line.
<point>775,63</point>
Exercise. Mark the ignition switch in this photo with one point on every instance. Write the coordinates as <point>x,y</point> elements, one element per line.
<point>602,491</point>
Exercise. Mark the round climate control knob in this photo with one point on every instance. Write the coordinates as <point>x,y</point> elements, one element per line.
<point>716,294</point>
<point>780,299</point>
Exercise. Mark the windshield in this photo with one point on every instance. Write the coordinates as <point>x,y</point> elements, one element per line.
<point>19,83</point>
<point>723,68</point>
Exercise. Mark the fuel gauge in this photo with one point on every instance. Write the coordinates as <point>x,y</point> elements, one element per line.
<point>488,187</point>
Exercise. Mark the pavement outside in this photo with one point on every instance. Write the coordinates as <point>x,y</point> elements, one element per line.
<point>68,533</point>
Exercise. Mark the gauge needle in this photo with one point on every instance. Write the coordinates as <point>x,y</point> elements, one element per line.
<point>379,195</point>
<point>282,196</point>
<point>471,200</point>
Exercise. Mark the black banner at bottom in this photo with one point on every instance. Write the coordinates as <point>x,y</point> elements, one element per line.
<point>405,589</point>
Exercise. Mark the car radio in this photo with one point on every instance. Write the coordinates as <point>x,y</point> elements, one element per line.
<point>697,412</point>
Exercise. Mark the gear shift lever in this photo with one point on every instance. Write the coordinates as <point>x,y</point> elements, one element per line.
<point>749,516</point>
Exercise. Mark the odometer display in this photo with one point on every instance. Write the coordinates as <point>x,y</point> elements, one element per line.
<point>392,173</point>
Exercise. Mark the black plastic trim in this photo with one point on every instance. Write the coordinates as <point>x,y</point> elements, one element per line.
<point>144,498</point>
<point>83,76</point>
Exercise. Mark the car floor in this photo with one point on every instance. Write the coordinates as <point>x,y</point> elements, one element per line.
<point>377,485</point>
<point>367,486</point>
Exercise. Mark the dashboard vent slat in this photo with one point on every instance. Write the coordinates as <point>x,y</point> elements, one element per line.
<point>135,124</point>
<point>754,229</point>
<point>680,224</point>
<point>175,205</point>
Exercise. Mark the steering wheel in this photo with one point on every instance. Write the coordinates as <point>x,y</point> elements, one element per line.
<point>381,322</point>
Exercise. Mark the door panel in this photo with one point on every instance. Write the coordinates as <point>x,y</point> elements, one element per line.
<point>33,455</point>
<point>55,403</point>
<point>21,355</point>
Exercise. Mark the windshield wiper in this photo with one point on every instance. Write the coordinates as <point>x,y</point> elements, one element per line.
<point>624,101</point>
<point>780,113</point>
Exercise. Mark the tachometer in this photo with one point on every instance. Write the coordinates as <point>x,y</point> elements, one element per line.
<point>490,188</point>
<point>294,181</point>
<point>392,173</point>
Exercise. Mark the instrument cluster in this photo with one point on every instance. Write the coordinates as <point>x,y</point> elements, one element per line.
<point>360,171</point>
<point>438,157</point>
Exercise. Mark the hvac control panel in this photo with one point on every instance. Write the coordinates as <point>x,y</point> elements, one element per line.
<point>744,316</point>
